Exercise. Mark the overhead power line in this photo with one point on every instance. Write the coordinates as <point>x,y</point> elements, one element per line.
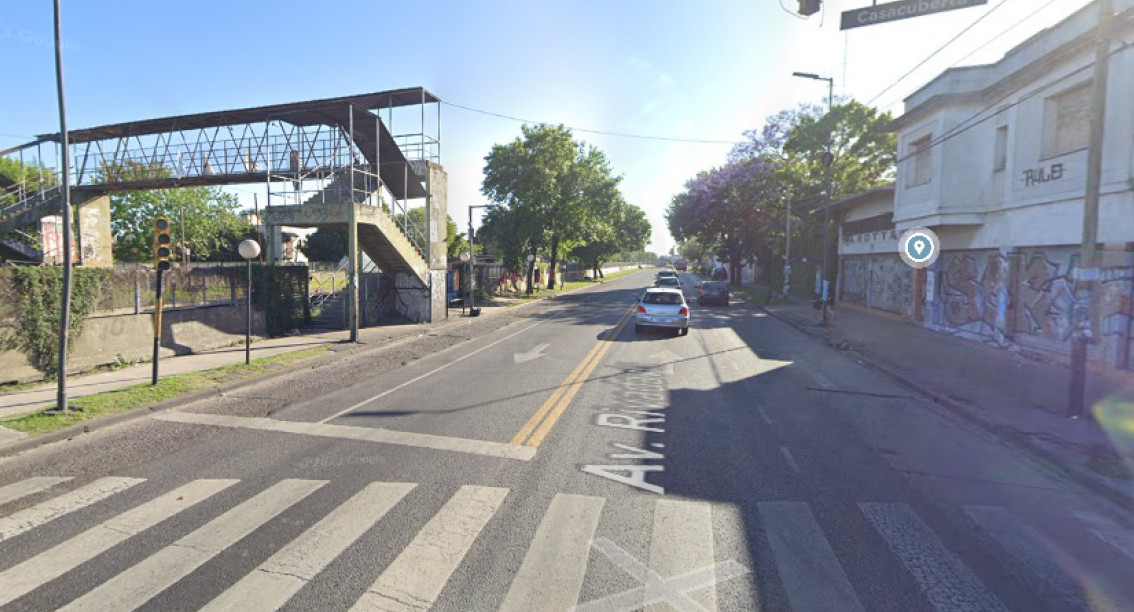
<point>991,39</point>
<point>939,50</point>
<point>965,125</point>
<point>601,132</point>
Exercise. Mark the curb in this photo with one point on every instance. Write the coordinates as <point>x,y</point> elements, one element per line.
<point>21,445</point>
<point>1051,459</point>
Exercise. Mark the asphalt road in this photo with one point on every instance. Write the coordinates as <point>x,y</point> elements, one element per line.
<point>553,458</point>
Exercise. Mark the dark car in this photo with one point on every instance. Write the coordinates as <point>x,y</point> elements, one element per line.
<point>719,273</point>
<point>713,292</point>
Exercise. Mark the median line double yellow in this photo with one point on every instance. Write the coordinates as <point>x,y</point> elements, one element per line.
<point>536,429</point>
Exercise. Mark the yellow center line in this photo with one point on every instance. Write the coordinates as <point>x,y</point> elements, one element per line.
<point>555,405</point>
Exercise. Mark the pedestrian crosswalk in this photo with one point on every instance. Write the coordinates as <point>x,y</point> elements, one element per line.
<point>570,560</point>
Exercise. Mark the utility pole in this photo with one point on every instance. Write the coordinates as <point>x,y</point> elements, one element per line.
<point>828,160</point>
<point>1086,307</point>
<point>65,143</point>
<point>787,248</point>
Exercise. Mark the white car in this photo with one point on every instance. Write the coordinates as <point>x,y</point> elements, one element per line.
<point>665,308</point>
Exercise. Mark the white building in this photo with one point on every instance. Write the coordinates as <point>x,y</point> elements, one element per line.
<point>993,158</point>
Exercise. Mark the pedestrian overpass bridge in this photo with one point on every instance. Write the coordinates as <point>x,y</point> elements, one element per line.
<point>324,163</point>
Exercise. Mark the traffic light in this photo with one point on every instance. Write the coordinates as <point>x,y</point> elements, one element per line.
<point>809,7</point>
<point>162,243</point>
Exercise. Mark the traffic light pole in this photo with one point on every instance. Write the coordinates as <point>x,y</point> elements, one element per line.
<point>157,326</point>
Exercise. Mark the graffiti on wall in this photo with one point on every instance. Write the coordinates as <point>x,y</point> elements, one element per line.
<point>981,294</point>
<point>1047,295</point>
<point>973,291</point>
<point>878,281</point>
<point>411,297</point>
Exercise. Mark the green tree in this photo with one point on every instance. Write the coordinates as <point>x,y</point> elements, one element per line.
<point>325,244</point>
<point>204,219</point>
<point>552,189</point>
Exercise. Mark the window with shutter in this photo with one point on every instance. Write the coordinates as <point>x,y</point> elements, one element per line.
<point>919,151</point>
<point>1067,119</point>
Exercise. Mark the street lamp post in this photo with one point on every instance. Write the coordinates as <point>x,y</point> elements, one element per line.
<point>472,259</point>
<point>249,250</point>
<point>465,258</point>
<point>828,159</point>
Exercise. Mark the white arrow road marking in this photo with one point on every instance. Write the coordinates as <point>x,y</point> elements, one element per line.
<point>535,353</point>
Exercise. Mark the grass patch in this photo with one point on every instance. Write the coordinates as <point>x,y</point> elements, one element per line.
<point>139,396</point>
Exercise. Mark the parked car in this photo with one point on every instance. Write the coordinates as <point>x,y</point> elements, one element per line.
<point>663,308</point>
<point>671,282</point>
<point>713,292</point>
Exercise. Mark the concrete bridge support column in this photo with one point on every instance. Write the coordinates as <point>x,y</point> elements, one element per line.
<point>437,185</point>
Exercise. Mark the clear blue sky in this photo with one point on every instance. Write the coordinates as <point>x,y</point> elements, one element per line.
<point>706,70</point>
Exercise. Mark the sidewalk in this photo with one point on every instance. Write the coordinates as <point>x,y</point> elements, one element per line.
<point>43,395</point>
<point>40,396</point>
<point>1015,397</point>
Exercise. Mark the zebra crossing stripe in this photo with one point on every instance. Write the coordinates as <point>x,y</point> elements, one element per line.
<point>1108,531</point>
<point>1032,550</point>
<point>47,511</point>
<point>944,579</point>
<point>809,570</point>
<point>551,575</point>
<point>271,585</point>
<point>416,577</point>
<point>29,486</point>
<point>140,583</point>
<point>21,579</point>
<point>682,542</point>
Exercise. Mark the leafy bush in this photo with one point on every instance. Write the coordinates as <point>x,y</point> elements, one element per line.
<point>37,296</point>
<point>278,292</point>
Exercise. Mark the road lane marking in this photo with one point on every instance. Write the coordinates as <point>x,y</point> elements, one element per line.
<point>348,432</point>
<point>44,512</point>
<point>551,576</point>
<point>414,580</point>
<point>159,571</point>
<point>944,579</point>
<point>682,542</point>
<point>572,387</point>
<point>21,579</point>
<point>1035,552</point>
<point>277,580</point>
<point>29,486</point>
<point>789,458</point>
<point>656,589</point>
<point>811,574</point>
<point>764,415</point>
<point>435,370</point>
<point>547,405</point>
<point>1106,530</point>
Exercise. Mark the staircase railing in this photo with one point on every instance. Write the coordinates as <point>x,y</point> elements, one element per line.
<point>320,295</point>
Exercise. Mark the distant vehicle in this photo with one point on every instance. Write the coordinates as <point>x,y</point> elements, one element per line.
<point>671,282</point>
<point>665,273</point>
<point>719,273</point>
<point>713,292</point>
<point>681,265</point>
<point>663,308</point>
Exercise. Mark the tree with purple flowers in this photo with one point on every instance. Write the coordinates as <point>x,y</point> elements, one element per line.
<point>739,210</point>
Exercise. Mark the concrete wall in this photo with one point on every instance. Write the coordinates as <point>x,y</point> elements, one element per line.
<point>1024,298</point>
<point>881,281</point>
<point>1035,199</point>
<point>105,338</point>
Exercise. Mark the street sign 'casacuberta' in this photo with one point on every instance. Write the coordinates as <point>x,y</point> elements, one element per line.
<point>893,11</point>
